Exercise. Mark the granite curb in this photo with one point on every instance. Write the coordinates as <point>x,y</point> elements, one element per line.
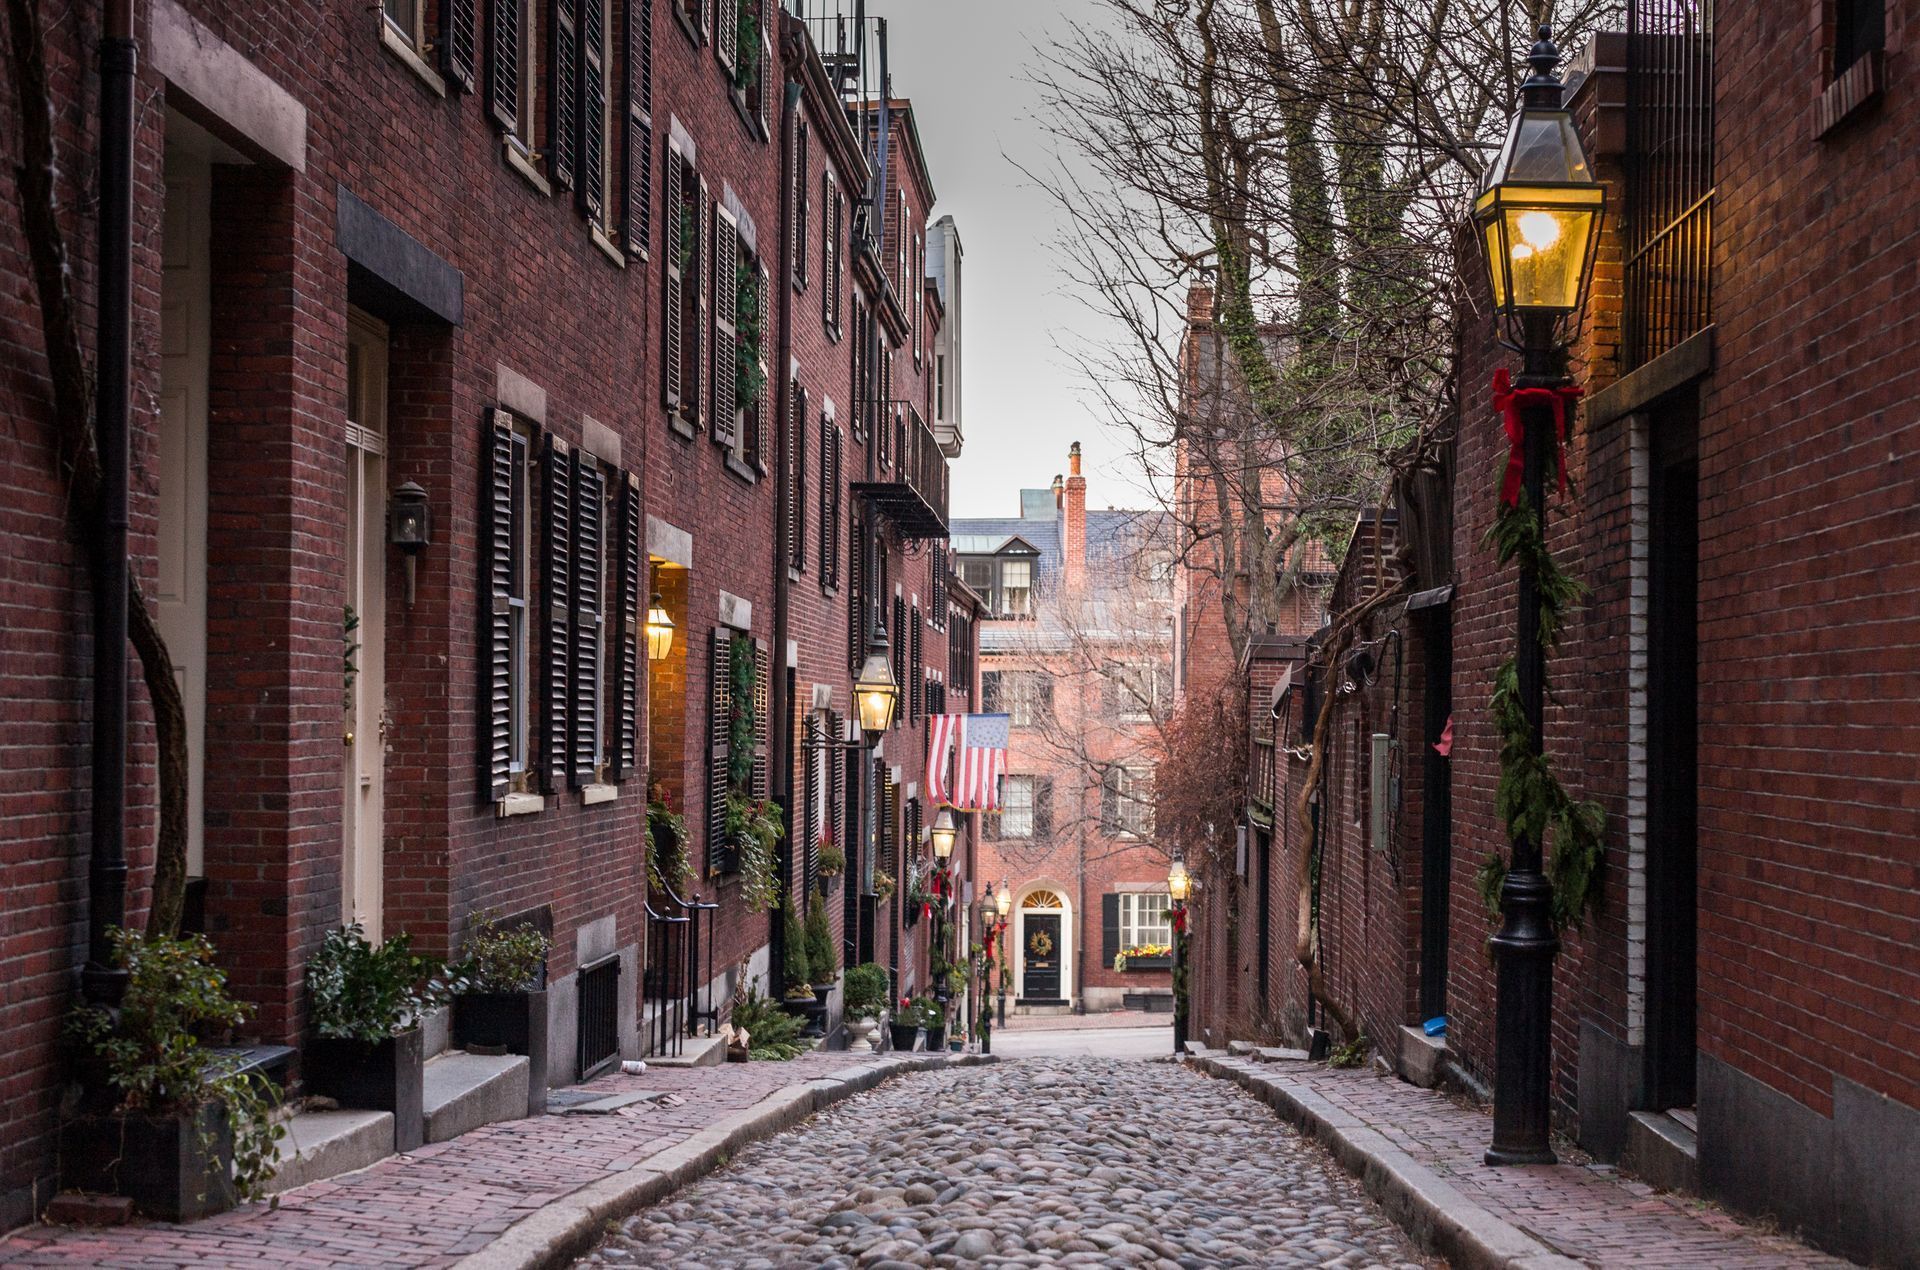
<point>1433,1212</point>
<point>569,1226</point>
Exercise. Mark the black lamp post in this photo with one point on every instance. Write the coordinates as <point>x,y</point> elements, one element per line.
<point>1537,219</point>
<point>1179,886</point>
<point>1002,904</point>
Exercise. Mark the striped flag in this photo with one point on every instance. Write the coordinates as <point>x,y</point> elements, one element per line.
<point>981,744</point>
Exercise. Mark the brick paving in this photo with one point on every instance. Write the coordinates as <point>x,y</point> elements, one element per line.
<point>1584,1210</point>
<point>444,1201</point>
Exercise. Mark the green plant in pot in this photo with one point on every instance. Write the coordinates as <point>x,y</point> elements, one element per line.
<point>364,1004</point>
<point>904,1027</point>
<point>831,861</point>
<point>173,1127</point>
<point>864,998</point>
<point>822,958</point>
<point>501,1007</point>
<point>772,1033</point>
<point>933,1018</point>
<point>797,971</point>
<point>669,863</point>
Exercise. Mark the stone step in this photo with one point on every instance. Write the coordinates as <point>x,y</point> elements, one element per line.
<point>323,1144</point>
<point>1662,1152</point>
<point>465,1091</point>
<point>1421,1057</point>
<point>695,1051</point>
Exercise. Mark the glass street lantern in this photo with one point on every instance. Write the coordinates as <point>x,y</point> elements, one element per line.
<point>944,831</point>
<point>875,691</point>
<point>1538,216</point>
<point>1179,881</point>
<point>1003,900</point>
<point>659,629</point>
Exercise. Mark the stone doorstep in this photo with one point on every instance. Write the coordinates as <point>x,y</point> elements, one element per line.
<point>695,1051</point>
<point>1662,1152</point>
<point>324,1144</point>
<point>1421,1057</point>
<point>464,1091</point>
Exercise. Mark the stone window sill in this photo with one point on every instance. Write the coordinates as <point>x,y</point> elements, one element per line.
<point>1850,93</point>
<point>594,795</point>
<point>409,56</point>
<point>606,247</point>
<point>519,805</point>
<point>520,161</point>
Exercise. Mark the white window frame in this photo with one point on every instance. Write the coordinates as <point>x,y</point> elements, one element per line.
<point>519,610</point>
<point>526,78</point>
<point>1008,590</point>
<point>1012,823</point>
<point>1146,917</point>
<point>410,24</point>
<point>1132,790</point>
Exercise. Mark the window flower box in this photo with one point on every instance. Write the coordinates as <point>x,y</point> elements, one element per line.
<point>1144,957</point>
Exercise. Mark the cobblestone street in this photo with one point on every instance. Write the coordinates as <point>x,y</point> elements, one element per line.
<point>1080,1161</point>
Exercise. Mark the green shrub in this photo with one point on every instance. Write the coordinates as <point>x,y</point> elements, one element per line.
<point>866,990</point>
<point>822,960</point>
<point>799,970</point>
<point>502,959</point>
<point>359,992</point>
<point>155,1054</point>
<point>772,1033</point>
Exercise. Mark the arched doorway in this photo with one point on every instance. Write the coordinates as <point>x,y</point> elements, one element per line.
<point>1044,948</point>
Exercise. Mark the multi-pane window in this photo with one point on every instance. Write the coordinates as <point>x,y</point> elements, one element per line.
<point>408,20</point>
<point>1135,692</point>
<point>1145,920</point>
<point>833,213</point>
<point>1016,807</point>
<point>519,656</point>
<point>1126,801</point>
<point>1027,697</point>
<point>593,529</point>
<point>684,267</point>
<point>978,574</point>
<point>797,227</point>
<point>1859,28</point>
<point>1016,588</point>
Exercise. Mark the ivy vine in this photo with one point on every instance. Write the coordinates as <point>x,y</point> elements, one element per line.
<point>1530,798</point>
<point>749,381</point>
<point>742,725</point>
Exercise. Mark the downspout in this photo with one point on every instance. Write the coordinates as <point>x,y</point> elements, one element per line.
<point>782,721</point>
<point>107,868</point>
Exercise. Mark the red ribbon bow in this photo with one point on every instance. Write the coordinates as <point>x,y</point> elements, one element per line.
<point>1509,400</point>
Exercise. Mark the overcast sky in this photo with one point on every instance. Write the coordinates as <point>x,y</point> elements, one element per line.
<point>965,65</point>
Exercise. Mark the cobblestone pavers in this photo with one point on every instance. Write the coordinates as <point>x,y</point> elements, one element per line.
<point>1585,1211</point>
<point>433,1206</point>
<point>1079,1161</point>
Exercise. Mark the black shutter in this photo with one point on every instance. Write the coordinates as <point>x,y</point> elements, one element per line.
<point>797,223</point>
<point>797,477</point>
<point>556,572</point>
<point>1109,929</point>
<point>496,658</point>
<point>1043,807</point>
<point>897,636</point>
<point>503,62</point>
<point>916,699</point>
<point>673,296</point>
<point>762,718</point>
<point>699,311</point>
<point>856,596</point>
<point>829,504</point>
<point>636,174</point>
<point>726,344</point>
<point>586,615</point>
<point>809,801</point>
<point>563,91</point>
<point>632,599</point>
<point>837,760</point>
<point>720,854</point>
<point>458,41</point>
<point>592,190</point>
<point>726,39</point>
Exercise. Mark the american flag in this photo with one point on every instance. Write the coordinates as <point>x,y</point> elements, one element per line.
<point>981,740</point>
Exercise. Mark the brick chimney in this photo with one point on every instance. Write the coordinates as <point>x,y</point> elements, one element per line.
<point>1073,523</point>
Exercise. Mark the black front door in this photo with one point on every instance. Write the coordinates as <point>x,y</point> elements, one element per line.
<point>1041,980</point>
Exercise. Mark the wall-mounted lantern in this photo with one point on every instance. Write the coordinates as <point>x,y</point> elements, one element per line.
<point>659,629</point>
<point>409,526</point>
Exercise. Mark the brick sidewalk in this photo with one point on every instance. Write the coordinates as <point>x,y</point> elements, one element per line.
<point>1585,1211</point>
<point>437,1204</point>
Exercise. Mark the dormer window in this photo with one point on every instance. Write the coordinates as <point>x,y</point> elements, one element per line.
<point>1016,588</point>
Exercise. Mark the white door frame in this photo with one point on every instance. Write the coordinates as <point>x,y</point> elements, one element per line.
<point>1068,988</point>
<point>364,724</point>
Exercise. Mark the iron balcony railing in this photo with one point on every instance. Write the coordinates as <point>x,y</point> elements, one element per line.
<point>911,488</point>
<point>1667,277</point>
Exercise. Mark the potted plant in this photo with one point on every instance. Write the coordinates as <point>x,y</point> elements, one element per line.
<point>883,885</point>
<point>365,1003</point>
<point>904,1027</point>
<point>830,860</point>
<point>753,827</point>
<point>669,864</point>
<point>764,1030</point>
<point>176,1131</point>
<point>1144,957</point>
<point>501,1007</point>
<point>864,999</point>
<point>799,999</point>
<point>934,1019</point>
<point>822,960</point>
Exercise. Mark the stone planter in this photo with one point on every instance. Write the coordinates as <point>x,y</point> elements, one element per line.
<point>507,1023</point>
<point>176,1168</point>
<point>861,1036</point>
<point>377,1076</point>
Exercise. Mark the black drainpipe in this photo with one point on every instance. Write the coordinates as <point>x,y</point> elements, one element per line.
<point>107,869</point>
<point>781,725</point>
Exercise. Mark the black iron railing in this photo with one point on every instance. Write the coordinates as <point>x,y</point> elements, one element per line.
<point>598,1046</point>
<point>912,484</point>
<point>1667,277</point>
<point>677,996</point>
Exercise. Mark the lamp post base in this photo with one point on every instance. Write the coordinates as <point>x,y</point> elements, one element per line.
<point>1523,950</point>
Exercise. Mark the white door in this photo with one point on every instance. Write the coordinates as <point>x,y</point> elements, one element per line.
<point>364,625</point>
<point>180,590</point>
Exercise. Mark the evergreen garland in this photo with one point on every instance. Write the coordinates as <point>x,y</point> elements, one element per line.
<point>1531,799</point>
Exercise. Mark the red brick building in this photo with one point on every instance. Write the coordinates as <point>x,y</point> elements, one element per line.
<point>588,283</point>
<point>1737,1012</point>
<point>1076,652</point>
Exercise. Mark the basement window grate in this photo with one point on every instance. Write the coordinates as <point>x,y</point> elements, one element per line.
<point>598,1043</point>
